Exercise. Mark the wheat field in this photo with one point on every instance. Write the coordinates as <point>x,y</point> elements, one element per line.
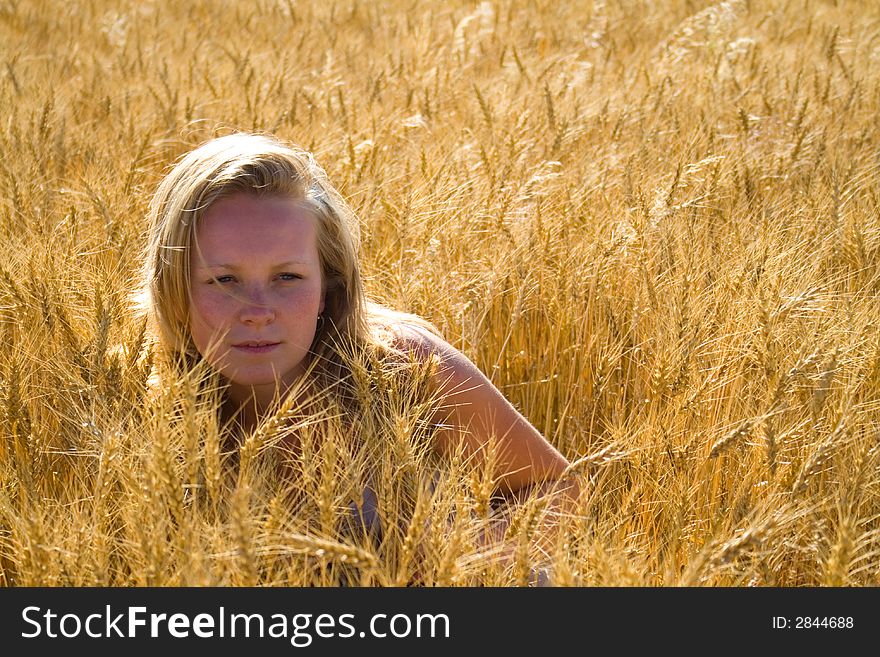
<point>654,225</point>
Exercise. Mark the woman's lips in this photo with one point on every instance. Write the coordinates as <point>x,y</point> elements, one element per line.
<point>251,349</point>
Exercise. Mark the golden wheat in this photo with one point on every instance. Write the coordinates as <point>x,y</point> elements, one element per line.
<point>654,225</point>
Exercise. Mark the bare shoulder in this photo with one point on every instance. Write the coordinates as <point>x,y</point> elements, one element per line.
<point>456,373</point>
<point>473,412</point>
<point>422,343</point>
<point>416,340</point>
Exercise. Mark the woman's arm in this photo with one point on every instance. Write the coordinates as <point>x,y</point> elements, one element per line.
<point>472,411</point>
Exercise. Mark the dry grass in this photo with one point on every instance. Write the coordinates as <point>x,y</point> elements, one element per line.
<point>655,226</point>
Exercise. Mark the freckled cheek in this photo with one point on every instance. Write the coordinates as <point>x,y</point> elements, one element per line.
<point>210,319</point>
<point>215,311</point>
<point>306,300</point>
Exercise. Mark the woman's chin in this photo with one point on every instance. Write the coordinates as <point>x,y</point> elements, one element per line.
<point>252,377</point>
<point>260,376</point>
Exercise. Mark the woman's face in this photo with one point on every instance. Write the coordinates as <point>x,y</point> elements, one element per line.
<point>257,291</point>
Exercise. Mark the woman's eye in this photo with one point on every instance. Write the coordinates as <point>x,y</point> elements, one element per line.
<point>222,279</point>
<point>287,276</point>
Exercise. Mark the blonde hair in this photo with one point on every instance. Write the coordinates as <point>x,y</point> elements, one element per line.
<point>263,166</point>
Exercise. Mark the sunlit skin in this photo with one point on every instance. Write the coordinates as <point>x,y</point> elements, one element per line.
<point>256,278</point>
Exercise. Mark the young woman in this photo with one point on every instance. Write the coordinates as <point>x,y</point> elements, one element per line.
<point>252,268</point>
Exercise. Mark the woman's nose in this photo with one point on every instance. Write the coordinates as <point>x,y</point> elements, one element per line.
<point>256,309</point>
